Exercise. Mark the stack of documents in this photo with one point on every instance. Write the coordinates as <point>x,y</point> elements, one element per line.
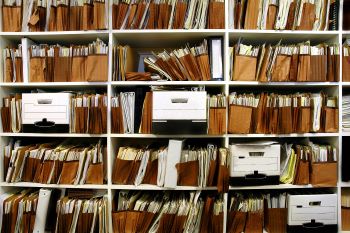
<point>245,213</point>
<point>167,212</point>
<point>89,113</point>
<point>310,164</point>
<point>346,112</point>
<point>285,63</point>
<point>172,166</point>
<point>282,114</point>
<point>125,65</point>
<point>276,213</point>
<point>58,15</point>
<point>281,15</point>
<point>164,14</point>
<point>132,111</point>
<point>81,214</point>
<point>24,211</point>
<point>124,112</point>
<point>13,64</point>
<point>12,16</point>
<point>62,15</point>
<point>346,61</point>
<point>11,113</point>
<point>217,114</point>
<point>345,209</point>
<point>198,63</point>
<point>50,163</point>
<point>77,63</point>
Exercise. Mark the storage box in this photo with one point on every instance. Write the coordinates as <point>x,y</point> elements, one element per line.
<point>312,213</point>
<point>179,112</point>
<point>255,164</point>
<point>46,112</point>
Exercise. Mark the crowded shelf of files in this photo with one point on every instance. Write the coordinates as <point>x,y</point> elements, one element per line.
<point>175,38</point>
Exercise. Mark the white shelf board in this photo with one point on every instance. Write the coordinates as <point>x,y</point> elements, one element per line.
<point>154,187</point>
<point>345,133</point>
<point>205,32</point>
<point>345,184</point>
<point>285,32</point>
<point>58,135</point>
<point>288,84</point>
<point>280,186</point>
<point>55,33</point>
<point>58,186</point>
<point>292,135</point>
<point>168,83</point>
<point>165,136</point>
<point>55,84</point>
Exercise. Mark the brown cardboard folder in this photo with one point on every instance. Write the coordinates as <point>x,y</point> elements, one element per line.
<point>324,174</point>
<point>78,69</point>
<point>244,68</point>
<point>345,218</point>
<point>276,220</point>
<point>11,18</point>
<point>37,69</point>
<point>238,223</point>
<point>188,173</point>
<point>217,121</point>
<point>240,118</point>
<point>97,68</point>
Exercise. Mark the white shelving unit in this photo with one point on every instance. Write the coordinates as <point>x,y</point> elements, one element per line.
<point>175,38</point>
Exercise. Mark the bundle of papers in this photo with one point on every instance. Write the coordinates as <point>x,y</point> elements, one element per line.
<point>299,113</point>
<point>190,63</point>
<point>76,63</point>
<point>126,102</point>
<point>276,200</point>
<point>171,166</point>
<point>63,15</point>
<point>11,113</point>
<point>346,112</point>
<point>345,198</point>
<point>309,164</point>
<point>165,14</point>
<point>24,211</point>
<point>346,61</point>
<point>282,15</point>
<point>13,67</point>
<point>166,212</point>
<point>89,113</point>
<point>281,63</point>
<point>49,163</point>
<point>82,215</point>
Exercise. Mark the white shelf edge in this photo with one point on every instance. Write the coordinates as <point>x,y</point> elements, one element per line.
<point>280,186</point>
<point>154,187</point>
<point>54,84</point>
<point>165,136</point>
<point>59,135</point>
<point>58,186</point>
<point>48,33</point>
<point>283,135</point>
<point>167,83</point>
<point>287,32</point>
<point>171,31</point>
<point>298,84</point>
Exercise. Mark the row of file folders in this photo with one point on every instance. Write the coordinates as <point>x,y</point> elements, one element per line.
<point>49,15</point>
<point>34,15</point>
<point>173,164</point>
<point>141,111</point>
<point>50,210</point>
<point>79,63</point>
<point>203,61</point>
<point>161,212</point>
<point>316,15</point>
